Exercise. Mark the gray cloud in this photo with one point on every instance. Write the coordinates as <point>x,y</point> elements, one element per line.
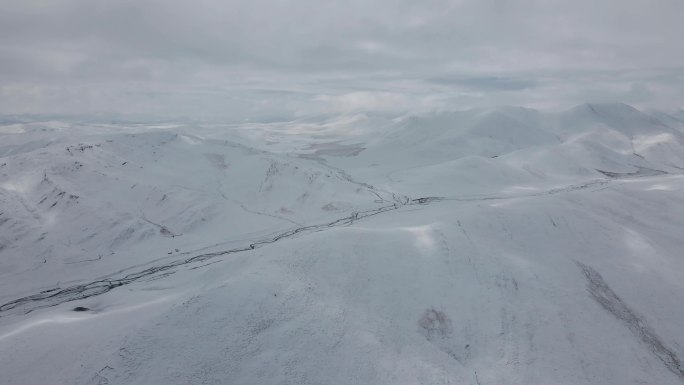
<point>491,83</point>
<point>63,55</point>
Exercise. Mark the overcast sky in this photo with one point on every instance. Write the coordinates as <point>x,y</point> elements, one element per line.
<point>271,58</point>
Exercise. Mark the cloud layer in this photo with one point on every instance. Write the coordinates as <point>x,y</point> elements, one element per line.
<point>251,58</point>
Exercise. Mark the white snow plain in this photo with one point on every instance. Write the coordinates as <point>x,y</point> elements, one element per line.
<point>501,246</point>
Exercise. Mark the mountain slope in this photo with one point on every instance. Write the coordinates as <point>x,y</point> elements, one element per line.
<point>474,247</point>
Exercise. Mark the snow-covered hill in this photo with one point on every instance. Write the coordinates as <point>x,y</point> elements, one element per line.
<point>471,247</point>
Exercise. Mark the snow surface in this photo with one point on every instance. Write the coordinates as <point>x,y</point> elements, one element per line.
<point>472,247</point>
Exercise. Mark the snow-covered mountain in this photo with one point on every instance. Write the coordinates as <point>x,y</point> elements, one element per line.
<point>485,246</point>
